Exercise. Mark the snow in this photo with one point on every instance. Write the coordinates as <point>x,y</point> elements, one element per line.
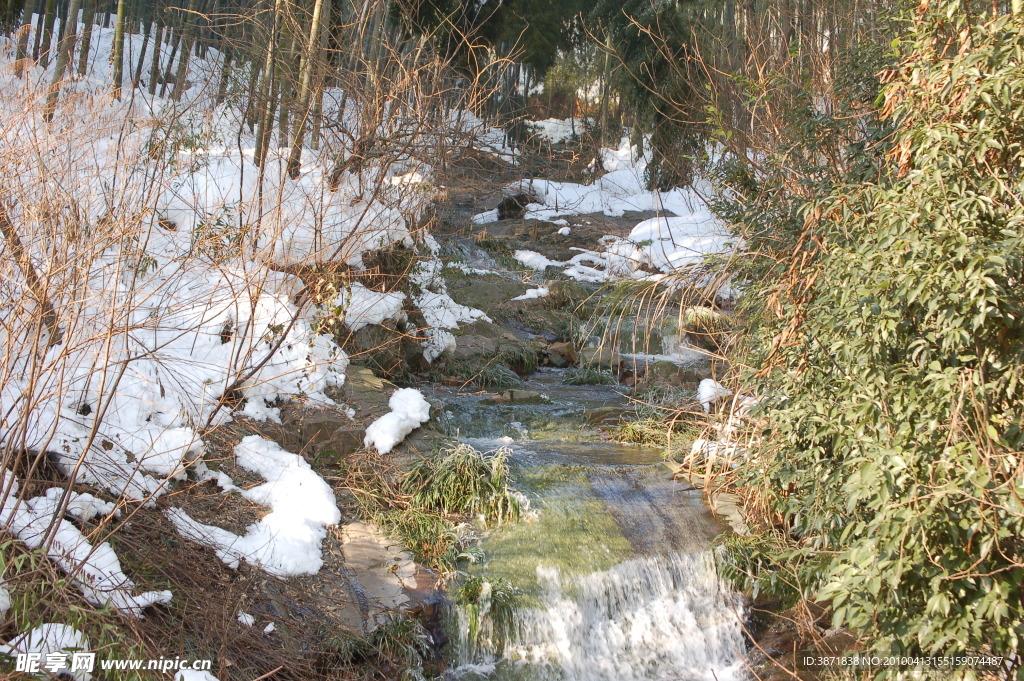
<point>533,293</point>
<point>710,391</point>
<point>409,410</point>
<point>557,130</point>
<point>245,619</point>
<point>714,450</point>
<point>671,243</point>
<point>196,333</point>
<point>494,141</point>
<point>5,599</point>
<point>80,506</point>
<point>47,639</point>
<point>96,570</point>
<point>487,217</point>
<point>439,310</point>
<point>463,267</point>
<point>621,188</point>
<point>362,306</point>
<point>193,675</point>
<point>668,244</point>
<point>286,541</point>
<point>535,260</point>
<point>269,629</point>
<point>184,310</point>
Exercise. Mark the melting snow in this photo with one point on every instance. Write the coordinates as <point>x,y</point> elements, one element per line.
<point>50,639</point>
<point>363,306</point>
<point>532,293</point>
<point>409,410</point>
<point>287,541</point>
<point>710,391</point>
<point>96,569</point>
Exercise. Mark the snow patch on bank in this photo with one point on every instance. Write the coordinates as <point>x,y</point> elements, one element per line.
<point>670,243</point>
<point>361,306</point>
<point>96,570</point>
<point>439,310</point>
<point>533,293</point>
<point>51,639</point>
<point>409,410</point>
<point>622,187</point>
<point>654,248</point>
<point>287,541</point>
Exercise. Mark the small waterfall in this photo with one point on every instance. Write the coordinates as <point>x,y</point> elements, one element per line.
<point>653,618</point>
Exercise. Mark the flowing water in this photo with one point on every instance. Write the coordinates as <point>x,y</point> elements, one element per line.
<point>614,570</point>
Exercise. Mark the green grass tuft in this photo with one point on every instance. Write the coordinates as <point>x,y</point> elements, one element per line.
<point>429,507</point>
<point>489,376</point>
<point>465,482</point>
<point>588,377</point>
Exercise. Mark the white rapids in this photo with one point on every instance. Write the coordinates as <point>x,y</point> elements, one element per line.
<point>653,618</point>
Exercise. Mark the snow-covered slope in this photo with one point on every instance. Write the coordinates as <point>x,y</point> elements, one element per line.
<point>156,295</point>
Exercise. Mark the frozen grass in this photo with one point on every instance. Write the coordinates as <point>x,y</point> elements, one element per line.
<point>588,377</point>
<point>662,420</point>
<point>489,605</point>
<point>465,482</point>
<point>399,642</point>
<point>429,508</point>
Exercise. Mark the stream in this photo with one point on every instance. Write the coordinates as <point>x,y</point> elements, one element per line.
<point>613,563</point>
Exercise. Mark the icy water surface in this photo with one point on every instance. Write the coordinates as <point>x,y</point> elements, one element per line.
<point>616,576</point>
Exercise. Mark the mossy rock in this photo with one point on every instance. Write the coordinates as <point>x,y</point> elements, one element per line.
<point>485,292</point>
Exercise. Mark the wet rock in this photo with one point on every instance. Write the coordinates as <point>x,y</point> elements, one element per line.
<point>668,374</point>
<point>480,339</point>
<point>318,426</point>
<point>513,207</point>
<point>603,357</point>
<point>344,441</point>
<point>304,431</point>
<point>384,348</point>
<point>487,293</point>
<point>552,325</point>
<point>383,569</point>
<point>367,393</point>
<point>605,416</point>
<point>562,355</point>
<point>517,397</point>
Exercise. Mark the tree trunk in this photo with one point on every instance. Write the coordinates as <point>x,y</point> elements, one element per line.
<point>268,89</point>
<point>154,66</point>
<point>35,286</point>
<point>186,51</point>
<point>62,21</point>
<point>225,74</point>
<point>13,16</point>
<point>44,47</point>
<point>40,16</point>
<point>137,76</point>
<point>88,19</point>
<point>65,50</point>
<point>306,69</point>
<point>287,80</point>
<point>174,37</point>
<point>22,55</point>
<point>118,51</point>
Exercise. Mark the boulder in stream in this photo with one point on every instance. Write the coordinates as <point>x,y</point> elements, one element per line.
<point>517,397</point>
